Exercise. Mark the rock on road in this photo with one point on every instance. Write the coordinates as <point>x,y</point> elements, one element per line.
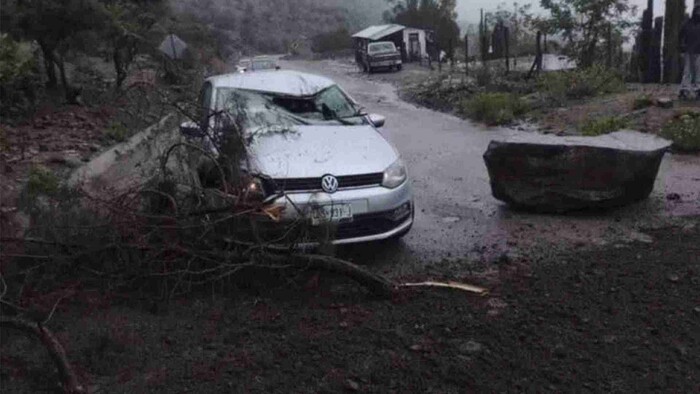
<point>456,215</point>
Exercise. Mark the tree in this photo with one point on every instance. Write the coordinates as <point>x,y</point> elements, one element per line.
<point>519,22</point>
<point>129,21</point>
<point>436,15</point>
<point>584,24</point>
<point>52,23</point>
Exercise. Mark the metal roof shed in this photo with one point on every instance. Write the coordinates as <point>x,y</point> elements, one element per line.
<point>374,33</point>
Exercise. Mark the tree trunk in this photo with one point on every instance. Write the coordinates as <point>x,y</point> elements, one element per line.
<point>675,12</point>
<point>655,55</point>
<point>119,68</point>
<point>49,60</point>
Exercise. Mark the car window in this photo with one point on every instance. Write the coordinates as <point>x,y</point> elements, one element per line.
<point>263,65</point>
<point>335,100</point>
<point>382,47</point>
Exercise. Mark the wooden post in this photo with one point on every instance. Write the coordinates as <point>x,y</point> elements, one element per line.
<point>481,35</point>
<point>537,64</point>
<point>609,52</point>
<point>545,43</point>
<point>466,55</point>
<point>507,49</point>
<point>539,50</point>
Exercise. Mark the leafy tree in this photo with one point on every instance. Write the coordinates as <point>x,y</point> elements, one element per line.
<point>52,23</point>
<point>436,15</point>
<point>519,21</point>
<point>128,23</point>
<point>584,24</point>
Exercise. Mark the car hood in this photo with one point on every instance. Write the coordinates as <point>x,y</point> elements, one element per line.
<point>314,151</point>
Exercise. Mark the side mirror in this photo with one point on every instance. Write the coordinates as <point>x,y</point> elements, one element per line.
<point>377,120</point>
<point>190,129</point>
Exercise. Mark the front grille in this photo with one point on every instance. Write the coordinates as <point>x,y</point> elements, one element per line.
<point>314,184</point>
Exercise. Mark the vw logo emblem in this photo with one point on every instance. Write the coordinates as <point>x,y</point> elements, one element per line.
<point>329,184</point>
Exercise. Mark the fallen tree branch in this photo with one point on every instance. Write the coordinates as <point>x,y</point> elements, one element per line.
<point>69,379</point>
<point>378,285</point>
<point>449,285</point>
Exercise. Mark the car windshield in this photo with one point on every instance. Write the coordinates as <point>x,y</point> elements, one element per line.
<point>382,47</point>
<point>260,109</point>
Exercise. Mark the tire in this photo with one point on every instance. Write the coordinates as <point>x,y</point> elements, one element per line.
<point>399,67</point>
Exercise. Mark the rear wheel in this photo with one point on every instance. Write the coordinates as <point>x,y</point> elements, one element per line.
<point>399,67</point>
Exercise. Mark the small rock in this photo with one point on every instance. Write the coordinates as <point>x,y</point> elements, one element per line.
<point>416,348</point>
<point>697,309</point>
<point>352,385</point>
<point>673,197</point>
<point>471,347</point>
<point>664,102</point>
<point>560,351</point>
<point>73,162</point>
<point>673,278</point>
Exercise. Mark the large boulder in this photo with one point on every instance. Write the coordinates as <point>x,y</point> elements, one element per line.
<point>559,174</point>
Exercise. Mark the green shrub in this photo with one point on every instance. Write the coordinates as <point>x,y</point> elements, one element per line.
<point>484,76</point>
<point>684,131</point>
<point>602,126</point>
<point>19,78</point>
<point>494,108</point>
<point>41,181</point>
<point>578,84</point>
<point>116,132</point>
<point>643,101</point>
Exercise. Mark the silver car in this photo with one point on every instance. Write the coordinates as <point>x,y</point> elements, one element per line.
<point>260,63</point>
<point>316,154</point>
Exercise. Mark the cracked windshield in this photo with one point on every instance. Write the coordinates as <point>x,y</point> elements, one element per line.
<point>364,196</point>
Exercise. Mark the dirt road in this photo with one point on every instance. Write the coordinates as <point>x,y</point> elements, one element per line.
<point>457,216</point>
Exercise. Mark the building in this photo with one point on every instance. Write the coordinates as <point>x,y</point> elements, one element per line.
<point>413,43</point>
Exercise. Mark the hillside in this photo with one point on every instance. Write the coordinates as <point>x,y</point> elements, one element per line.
<point>246,27</point>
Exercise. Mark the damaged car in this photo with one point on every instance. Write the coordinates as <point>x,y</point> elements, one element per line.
<point>313,154</point>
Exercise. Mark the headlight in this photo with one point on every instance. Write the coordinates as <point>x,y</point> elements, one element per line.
<point>395,175</point>
<point>254,189</point>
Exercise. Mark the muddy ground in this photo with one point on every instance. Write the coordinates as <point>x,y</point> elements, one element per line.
<point>613,320</point>
<point>606,301</point>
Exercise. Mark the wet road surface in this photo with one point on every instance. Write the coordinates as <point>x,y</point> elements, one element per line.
<point>457,219</point>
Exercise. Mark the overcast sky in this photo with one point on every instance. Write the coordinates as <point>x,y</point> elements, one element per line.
<point>469,9</point>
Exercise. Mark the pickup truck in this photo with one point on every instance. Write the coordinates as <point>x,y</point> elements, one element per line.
<point>377,55</point>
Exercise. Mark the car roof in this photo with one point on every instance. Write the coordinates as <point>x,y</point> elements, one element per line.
<point>284,82</point>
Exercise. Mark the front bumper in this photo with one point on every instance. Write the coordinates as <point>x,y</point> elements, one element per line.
<point>385,63</point>
<point>378,213</point>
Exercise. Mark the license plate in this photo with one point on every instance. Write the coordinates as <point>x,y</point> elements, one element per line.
<point>331,213</point>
